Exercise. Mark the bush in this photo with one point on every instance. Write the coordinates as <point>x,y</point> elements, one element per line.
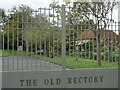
<point>112,57</point>
<point>88,55</point>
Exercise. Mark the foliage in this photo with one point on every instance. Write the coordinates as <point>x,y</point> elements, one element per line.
<point>2,15</point>
<point>15,25</point>
<point>99,11</point>
<point>24,27</point>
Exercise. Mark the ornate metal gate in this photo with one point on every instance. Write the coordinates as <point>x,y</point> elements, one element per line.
<point>59,47</point>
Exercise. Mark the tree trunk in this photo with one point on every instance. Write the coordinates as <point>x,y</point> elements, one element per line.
<point>98,50</point>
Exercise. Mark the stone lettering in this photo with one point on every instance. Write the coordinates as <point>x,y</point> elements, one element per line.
<point>90,79</point>
<point>101,78</point>
<point>75,80</point>
<point>52,82</point>
<point>28,82</point>
<point>80,80</point>
<point>58,81</point>
<point>34,82</point>
<point>85,78</point>
<point>95,79</point>
<point>46,81</point>
<point>69,81</point>
<point>21,82</point>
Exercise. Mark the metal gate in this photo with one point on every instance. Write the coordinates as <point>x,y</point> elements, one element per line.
<point>59,47</point>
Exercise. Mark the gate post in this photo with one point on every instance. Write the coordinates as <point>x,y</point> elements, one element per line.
<point>119,44</point>
<point>63,39</point>
<point>63,47</point>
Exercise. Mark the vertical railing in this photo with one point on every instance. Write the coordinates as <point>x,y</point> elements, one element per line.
<point>63,39</point>
<point>72,26</point>
<point>3,46</point>
<point>63,18</point>
<point>119,43</point>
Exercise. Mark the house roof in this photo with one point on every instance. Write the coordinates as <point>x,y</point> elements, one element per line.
<point>105,34</point>
<point>85,35</point>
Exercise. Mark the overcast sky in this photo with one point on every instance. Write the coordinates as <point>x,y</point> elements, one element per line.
<point>35,4</point>
<point>8,4</point>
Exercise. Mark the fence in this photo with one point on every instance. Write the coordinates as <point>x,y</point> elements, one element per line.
<point>47,39</point>
<point>49,47</point>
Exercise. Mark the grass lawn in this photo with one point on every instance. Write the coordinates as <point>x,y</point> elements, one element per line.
<point>70,61</point>
<point>14,53</point>
<point>0,52</point>
<point>80,63</point>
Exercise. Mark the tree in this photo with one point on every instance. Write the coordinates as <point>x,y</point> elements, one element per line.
<point>2,15</point>
<point>98,10</point>
<point>29,28</point>
<point>80,13</point>
<point>40,33</point>
<point>2,20</point>
<point>15,26</point>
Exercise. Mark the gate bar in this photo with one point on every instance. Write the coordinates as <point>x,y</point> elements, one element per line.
<point>63,47</point>
<point>63,39</point>
<point>119,44</point>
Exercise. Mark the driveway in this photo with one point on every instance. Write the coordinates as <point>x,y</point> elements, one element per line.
<point>27,63</point>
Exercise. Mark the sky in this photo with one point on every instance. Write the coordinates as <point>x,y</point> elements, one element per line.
<point>35,4</point>
<point>8,4</point>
